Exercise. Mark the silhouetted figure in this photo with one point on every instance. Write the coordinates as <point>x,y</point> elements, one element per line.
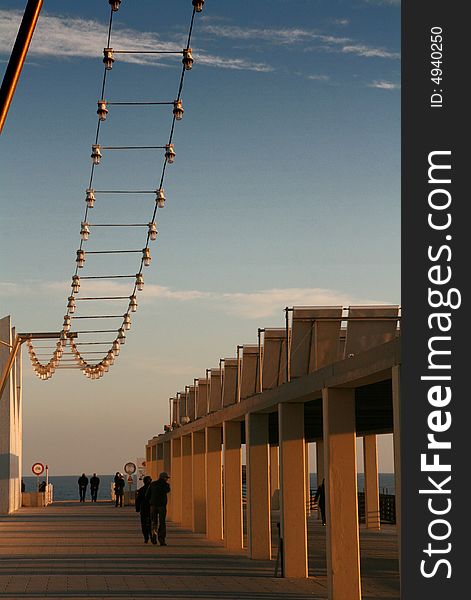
<point>82,483</point>
<point>119,484</point>
<point>23,487</point>
<point>143,507</point>
<point>157,496</point>
<point>320,499</point>
<point>94,485</point>
<point>42,486</point>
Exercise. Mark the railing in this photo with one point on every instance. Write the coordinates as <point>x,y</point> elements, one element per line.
<point>387,506</point>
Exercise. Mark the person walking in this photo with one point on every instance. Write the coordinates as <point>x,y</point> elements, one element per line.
<point>82,483</point>
<point>157,496</point>
<point>143,507</point>
<point>320,499</point>
<point>94,485</point>
<point>119,489</point>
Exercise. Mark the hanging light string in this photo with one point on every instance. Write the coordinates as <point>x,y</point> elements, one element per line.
<point>96,370</point>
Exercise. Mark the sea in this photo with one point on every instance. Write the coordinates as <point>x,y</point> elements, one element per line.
<point>66,486</point>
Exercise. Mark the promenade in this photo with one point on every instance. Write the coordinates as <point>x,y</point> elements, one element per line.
<point>71,550</point>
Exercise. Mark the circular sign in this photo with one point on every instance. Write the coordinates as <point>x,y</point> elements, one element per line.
<point>130,468</point>
<point>38,469</point>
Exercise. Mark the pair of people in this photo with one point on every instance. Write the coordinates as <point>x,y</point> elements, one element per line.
<point>94,485</point>
<point>119,484</point>
<point>151,503</point>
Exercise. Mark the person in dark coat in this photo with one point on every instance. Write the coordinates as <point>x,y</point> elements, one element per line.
<point>119,484</point>
<point>320,499</point>
<point>94,485</point>
<point>82,483</point>
<point>143,507</point>
<point>157,496</point>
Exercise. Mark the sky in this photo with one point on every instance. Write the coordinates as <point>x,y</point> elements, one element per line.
<point>285,191</point>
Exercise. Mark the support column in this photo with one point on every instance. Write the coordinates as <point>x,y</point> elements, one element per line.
<point>167,467</point>
<point>258,486</point>
<point>214,529</point>
<point>232,476</point>
<point>396,397</point>
<point>10,427</point>
<point>160,460</point>
<point>343,548</point>
<point>187,483</point>
<point>274,478</point>
<point>199,481</point>
<point>176,481</point>
<point>370,461</point>
<point>293,489</point>
<point>319,469</point>
<point>308,478</point>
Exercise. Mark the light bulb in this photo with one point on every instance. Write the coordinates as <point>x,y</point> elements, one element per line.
<point>80,260</point>
<point>187,58</point>
<point>115,4</point>
<point>75,284</point>
<point>152,231</point>
<point>71,305</point>
<point>102,110</point>
<point>139,281</point>
<point>90,198</point>
<point>127,322</point>
<point>108,58</point>
<point>96,154</point>
<point>66,325</point>
<point>198,4</point>
<point>146,257</point>
<point>169,153</point>
<point>84,230</point>
<point>160,198</point>
<point>178,109</point>
<point>133,303</point>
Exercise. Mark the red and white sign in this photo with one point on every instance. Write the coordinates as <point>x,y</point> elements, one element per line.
<point>38,469</point>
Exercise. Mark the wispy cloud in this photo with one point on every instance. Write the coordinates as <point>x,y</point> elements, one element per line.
<point>384,85</point>
<point>247,305</point>
<point>318,77</point>
<point>298,36</point>
<point>62,38</point>
<point>341,22</point>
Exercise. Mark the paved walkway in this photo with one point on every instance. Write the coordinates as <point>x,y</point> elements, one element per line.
<point>71,550</point>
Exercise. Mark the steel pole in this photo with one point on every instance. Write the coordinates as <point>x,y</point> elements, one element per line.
<point>17,58</point>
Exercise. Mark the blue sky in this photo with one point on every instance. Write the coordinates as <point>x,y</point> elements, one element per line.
<point>285,191</point>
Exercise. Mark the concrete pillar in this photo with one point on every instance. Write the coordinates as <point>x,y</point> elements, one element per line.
<point>258,486</point>
<point>293,489</point>
<point>176,481</point>
<point>160,460</point>
<point>214,529</point>
<point>167,467</point>
<point>342,547</point>
<point>396,397</point>
<point>199,481</point>
<point>308,478</point>
<point>10,427</point>
<point>187,483</point>
<point>370,461</point>
<point>319,469</point>
<point>274,478</point>
<point>232,476</point>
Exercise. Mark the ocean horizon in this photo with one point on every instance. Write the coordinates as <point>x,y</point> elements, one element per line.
<point>66,486</point>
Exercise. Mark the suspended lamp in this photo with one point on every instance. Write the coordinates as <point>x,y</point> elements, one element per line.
<point>169,153</point>
<point>146,257</point>
<point>108,58</point>
<point>139,281</point>
<point>75,284</point>
<point>90,197</point>
<point>102,110</point>
<point>127,322</point>
<point>160,198</point>
<point>66,325</point>
<point>80,260</point>
<point>115,4</point>
<point>71,308</point>
<point>178,109</point>
<point>152,232</point>
<point>84,230</point>
<point>187,58</point>
<point>96,154</point>
<point>132,303</point>
<point>198,4</point>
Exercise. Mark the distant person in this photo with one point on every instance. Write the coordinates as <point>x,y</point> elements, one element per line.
<point>143,507</point>
<point>94,485</point>
<point>23,487</point>
<point>320,499</point>
<point>157,496</point>
<point>42,486</point>
<point>82,483</point>
<point>119,489</point>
